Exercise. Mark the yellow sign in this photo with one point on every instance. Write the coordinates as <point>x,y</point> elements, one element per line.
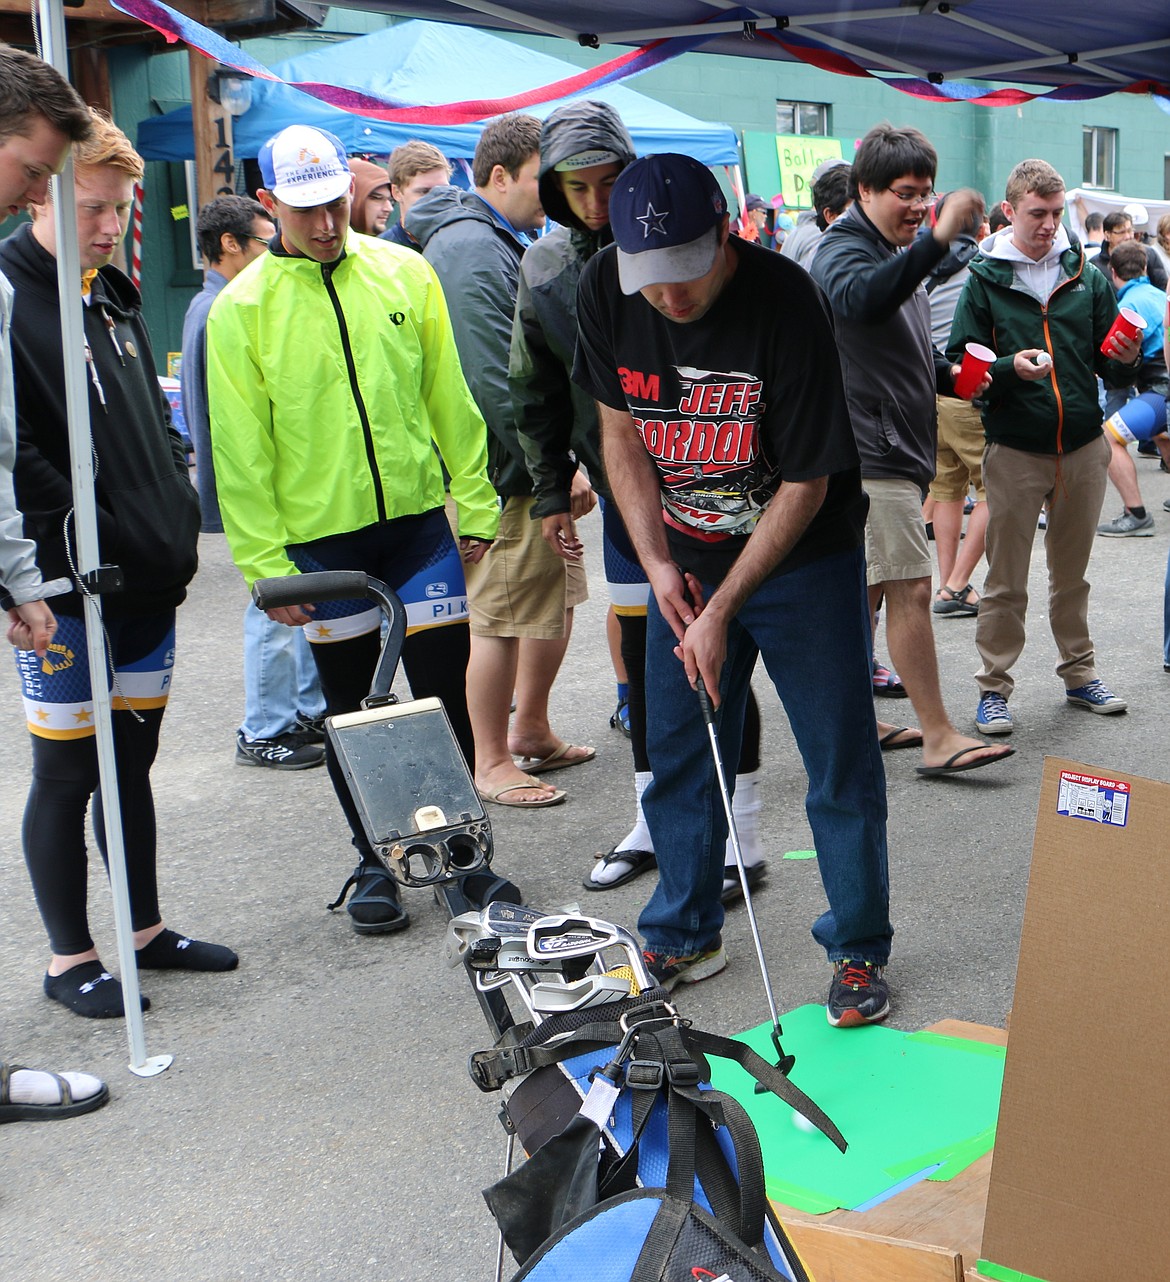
<point>174,360</point>
<point>799,155</point>
<point>179,212</point>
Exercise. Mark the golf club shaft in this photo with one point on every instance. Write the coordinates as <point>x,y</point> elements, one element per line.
<point>721,777</point>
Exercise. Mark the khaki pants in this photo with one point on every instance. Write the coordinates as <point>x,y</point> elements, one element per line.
<point>1018,485</point>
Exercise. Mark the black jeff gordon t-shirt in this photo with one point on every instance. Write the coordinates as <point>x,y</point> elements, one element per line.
<point>729,405</point>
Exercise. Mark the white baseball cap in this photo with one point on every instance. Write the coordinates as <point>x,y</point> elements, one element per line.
<point>303,166</point>
<point>1138,214</point>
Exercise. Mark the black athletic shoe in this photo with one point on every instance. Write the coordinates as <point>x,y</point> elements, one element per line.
<point>285,752</point>
<point>669,971</point>
<point>859,994</point>
<point>310,729</point>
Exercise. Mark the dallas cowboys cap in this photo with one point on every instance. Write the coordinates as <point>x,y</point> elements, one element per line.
<point>303,166</point>
<point>665,212</point>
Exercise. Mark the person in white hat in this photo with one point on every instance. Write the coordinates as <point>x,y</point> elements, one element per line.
<point>332,375</point>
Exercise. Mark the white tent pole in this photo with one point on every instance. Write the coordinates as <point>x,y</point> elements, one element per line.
<point>52,24</point>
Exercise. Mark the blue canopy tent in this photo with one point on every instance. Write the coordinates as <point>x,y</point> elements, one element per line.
<point>428,62</point>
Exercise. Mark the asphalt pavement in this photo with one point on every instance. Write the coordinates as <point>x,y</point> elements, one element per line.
<point>318,1121</point>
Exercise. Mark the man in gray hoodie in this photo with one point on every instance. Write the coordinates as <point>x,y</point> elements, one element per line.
<point>522,594</point>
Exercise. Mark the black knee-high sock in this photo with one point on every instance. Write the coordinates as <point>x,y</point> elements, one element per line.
<point>633,647</point>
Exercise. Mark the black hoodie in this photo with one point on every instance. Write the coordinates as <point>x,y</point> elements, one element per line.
<point>148,512</point>
<point>558,420</point>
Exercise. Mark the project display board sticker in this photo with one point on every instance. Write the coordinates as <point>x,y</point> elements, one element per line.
<point>1093,797</point>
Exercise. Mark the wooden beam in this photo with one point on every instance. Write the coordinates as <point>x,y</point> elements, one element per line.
<point>834,1254</point>
<point>91,76</point>
<point>214,158</point>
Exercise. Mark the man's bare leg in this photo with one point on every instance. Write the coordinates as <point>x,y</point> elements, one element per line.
<point>491,676</point>
<point>964,554</point>
<point>539,663</point>
<point>1123,474</point>
<point>910,638</point>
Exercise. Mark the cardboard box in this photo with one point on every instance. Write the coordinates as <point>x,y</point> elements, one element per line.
<point>1082,1155</point>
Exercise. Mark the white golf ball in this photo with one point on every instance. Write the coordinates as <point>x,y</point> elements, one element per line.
<point>1043,359</point>
<point>802,1123</point>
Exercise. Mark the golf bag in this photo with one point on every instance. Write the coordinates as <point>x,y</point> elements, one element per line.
<point>638,1171</point>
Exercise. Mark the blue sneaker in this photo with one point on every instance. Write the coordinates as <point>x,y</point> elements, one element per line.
<point>992,715</point>
<point>1097,697</point>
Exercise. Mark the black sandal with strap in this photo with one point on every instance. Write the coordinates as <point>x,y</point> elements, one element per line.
<point>374,907</point>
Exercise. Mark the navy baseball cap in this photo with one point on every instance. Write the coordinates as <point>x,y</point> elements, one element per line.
<point>665,212</point>
<point>305,166</point>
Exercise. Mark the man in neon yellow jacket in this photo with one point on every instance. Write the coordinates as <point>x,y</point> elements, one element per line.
<point>332,376</point>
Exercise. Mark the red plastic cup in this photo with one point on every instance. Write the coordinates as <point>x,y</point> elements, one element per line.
<point>1129,324</point>
<point>977,360</point>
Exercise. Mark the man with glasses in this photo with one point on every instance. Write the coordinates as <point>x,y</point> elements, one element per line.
<point>872,264</point>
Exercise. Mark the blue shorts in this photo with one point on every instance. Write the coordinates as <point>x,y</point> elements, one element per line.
<point>58,698</point>
<point>629,589</point>
<point>415,555</point>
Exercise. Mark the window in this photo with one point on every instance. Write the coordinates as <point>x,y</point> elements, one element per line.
<point>803,118</point>
<point>1100,165</point>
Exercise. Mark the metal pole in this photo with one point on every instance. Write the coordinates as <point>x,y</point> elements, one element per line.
<point>52,33</point>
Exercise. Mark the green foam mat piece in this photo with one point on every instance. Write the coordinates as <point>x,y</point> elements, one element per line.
<point>1000,1274</point>
<point>905,1102</point>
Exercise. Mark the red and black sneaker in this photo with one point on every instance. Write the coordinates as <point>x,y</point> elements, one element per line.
<point>701,964</point>
<point>859,994</point>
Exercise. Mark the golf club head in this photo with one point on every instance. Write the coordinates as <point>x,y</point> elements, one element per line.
<point>507,920</point>
<point>593,990</point>
<point>570,935</point>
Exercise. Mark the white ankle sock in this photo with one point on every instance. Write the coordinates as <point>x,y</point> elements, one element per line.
<point>638,838</point>
<point>30,1086</point>
<point>745,806</point>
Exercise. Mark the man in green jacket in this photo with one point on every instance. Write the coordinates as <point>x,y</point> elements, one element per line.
<point>1032,298</point>
<point>332,375</point>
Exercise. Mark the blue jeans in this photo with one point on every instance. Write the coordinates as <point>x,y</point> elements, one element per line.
<point>812,628</point>
<point>1166,618</point>
<point>280,677</point>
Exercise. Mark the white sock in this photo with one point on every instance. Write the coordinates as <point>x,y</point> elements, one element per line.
<point>638,838</point>
<point>30,1086</point>
<point>745,806</point>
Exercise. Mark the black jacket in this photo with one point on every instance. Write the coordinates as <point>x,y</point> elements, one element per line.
<point>148,512</point>
<point>557,419</point>
<point>892,371</point>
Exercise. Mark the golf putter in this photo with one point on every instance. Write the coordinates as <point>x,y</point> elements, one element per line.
<point>783,1062</point>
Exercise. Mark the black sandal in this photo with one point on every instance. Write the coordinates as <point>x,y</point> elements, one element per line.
<point>637,861</point>
<point>959,602</point>
<point>375,898</point>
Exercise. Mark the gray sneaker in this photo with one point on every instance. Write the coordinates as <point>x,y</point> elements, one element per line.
<point>1128,526</point>
<point>284,752</point>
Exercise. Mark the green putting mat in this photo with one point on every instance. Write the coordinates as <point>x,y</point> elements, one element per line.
<point>907,1103</point>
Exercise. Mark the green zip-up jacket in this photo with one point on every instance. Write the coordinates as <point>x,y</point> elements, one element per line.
<point>327,384</point>
<point>1054,415</point>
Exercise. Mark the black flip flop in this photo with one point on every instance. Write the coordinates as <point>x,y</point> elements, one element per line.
<point>886,742</point>
<point>639,861</point>
<point>948,767</point>
<point>755,875</point>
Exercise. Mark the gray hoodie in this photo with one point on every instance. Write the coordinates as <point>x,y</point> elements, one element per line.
<point>20,580</point>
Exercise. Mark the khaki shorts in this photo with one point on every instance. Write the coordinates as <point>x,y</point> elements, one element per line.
<point>522,588</point>
<point>960,452</point>
<point>896,546</point>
